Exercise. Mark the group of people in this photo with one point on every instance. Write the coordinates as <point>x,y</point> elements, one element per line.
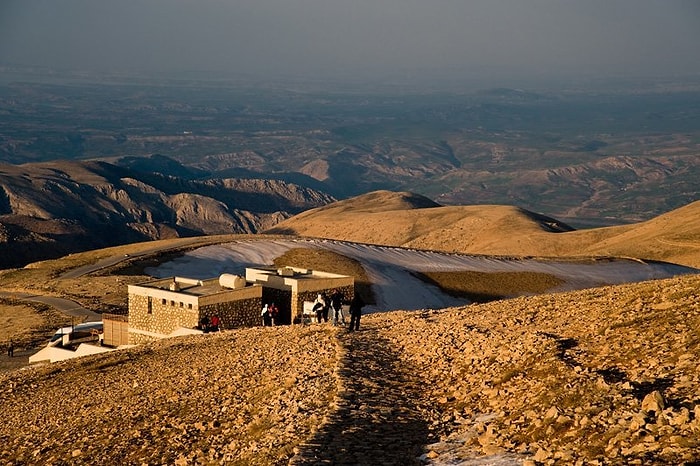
<point>207,325</point>
<point>270,315</point>
<point>323,305</point>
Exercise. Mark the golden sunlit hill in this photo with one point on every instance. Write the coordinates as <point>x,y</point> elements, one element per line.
<point>408,220</point>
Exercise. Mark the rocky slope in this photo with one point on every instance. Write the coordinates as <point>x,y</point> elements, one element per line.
<point>601,376</point>
<point>50,209</point>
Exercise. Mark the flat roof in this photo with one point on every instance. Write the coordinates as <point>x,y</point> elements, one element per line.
<point>212,286</point>
<point>296,273</point>
<point>189,286</point>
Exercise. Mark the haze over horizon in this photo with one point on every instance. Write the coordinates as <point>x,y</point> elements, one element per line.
<point>431,42</point>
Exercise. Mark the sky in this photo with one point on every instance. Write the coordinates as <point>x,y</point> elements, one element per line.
<point>355,38</point>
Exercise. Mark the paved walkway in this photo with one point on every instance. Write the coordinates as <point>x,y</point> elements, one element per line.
<point>378,417</point>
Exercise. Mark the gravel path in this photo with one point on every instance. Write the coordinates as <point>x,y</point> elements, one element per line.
<point>378,417</point>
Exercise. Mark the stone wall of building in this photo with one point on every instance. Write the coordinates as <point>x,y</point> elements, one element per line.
<point>234,314</point>
<point>151,318</point>
<point>318,284</point>
<point>141,338</point>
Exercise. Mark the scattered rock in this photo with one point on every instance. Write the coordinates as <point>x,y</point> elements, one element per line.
<point>653,402</point>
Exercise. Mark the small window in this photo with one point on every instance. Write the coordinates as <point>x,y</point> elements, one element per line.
<point>189,305</point>
<point>150,305</point>
<point>182,304</point>
<point>163,302</point>
<point>172,303</point>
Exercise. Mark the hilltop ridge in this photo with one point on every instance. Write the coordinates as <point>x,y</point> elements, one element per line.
<point>387,218</point>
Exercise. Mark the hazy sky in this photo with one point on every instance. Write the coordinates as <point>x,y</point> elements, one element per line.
<point>359,38</point>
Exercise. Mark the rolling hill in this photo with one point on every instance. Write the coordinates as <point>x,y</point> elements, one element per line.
<point>408,220</point>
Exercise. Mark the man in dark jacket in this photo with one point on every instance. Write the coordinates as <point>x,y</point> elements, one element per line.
<point>337,305</point>
<point>355,312</point>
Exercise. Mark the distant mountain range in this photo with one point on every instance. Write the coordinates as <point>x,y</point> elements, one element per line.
<point>588,157</point>
<point>51,209</point>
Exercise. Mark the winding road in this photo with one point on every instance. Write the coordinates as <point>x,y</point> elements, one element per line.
<point>66,306</point>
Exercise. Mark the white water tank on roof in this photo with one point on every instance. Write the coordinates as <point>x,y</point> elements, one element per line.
<point>228,280</point>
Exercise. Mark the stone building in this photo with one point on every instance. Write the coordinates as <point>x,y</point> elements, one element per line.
<point>176,305</point>
<point>159,308</point>
<point>289,287</point>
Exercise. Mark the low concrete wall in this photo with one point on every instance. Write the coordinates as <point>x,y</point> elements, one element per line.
<point>55,354</point>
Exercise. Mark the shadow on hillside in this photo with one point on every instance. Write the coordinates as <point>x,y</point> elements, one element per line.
<point>483,287</point>
<point>281,231</point>
<point>563,345</point>
<point>378,415</point>
<point>137,266</point>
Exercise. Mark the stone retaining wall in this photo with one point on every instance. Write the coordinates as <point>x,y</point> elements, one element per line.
<point>158,316</point>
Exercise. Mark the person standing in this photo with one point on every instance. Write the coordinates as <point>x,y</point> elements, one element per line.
<point>11,349</point>
<point>337,305</point>
<point>204,324</point>
<point>215,322</point>
<point>265,314</point>
<point>274,314</point>
<point>326,306</point>
<point>319,304</point>
<point>355,312</point>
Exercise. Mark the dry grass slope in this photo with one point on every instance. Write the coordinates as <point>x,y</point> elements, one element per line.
<point>390,219</point>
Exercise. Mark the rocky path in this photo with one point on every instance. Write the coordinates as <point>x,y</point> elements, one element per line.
<point>378,418</point>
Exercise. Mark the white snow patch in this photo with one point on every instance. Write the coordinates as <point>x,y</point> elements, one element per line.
<point>390,268</point>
